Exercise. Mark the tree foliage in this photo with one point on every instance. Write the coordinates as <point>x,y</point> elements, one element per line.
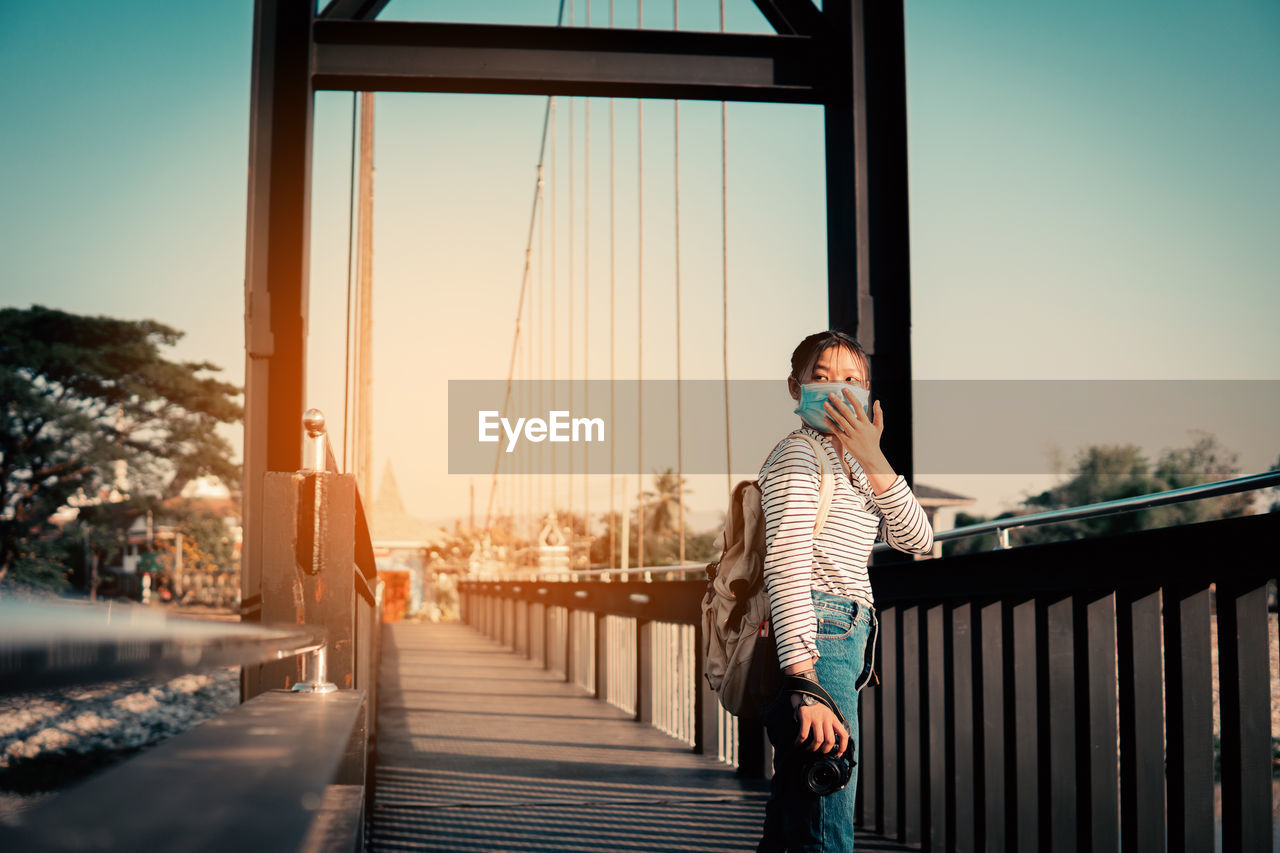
<point>82,394</point>
<point>662,511</point>
<point>1108,472</point>
<point>662,506</point>
<point>208,545</point>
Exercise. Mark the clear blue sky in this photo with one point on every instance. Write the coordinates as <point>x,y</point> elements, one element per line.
<point>1095,193</point>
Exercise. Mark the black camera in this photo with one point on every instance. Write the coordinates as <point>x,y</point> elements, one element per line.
<point>825,773</point>
<point>822,773</point>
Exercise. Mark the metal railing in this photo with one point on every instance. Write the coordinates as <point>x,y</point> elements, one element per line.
<point>1045,697</point>
<point>45,645</point>
<point>640,573</point>
<point>633,644</point>
<point>1062,696</point>
<point>281,771</point>
<point>202,772</point>
<point>1001,526</point>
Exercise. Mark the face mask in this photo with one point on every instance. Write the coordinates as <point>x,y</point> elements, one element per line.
<point>813,395</point>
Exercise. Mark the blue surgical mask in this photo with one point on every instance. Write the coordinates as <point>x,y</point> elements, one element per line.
<point>813,395</point>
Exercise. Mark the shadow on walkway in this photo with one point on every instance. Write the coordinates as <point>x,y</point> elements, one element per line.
<point>481,749</point>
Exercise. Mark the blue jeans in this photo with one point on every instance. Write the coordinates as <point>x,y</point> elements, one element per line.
<point>796,820</point>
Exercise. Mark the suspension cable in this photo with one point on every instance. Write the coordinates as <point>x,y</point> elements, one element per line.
<point>540,499</point>
<point>351,237</point>
<point>640,312</point>
<point>525,462</point>
<point>524,281</point>
<point>555,242</point>
<point>613,521</point>
<point>724,271</point>
<point>679,373</point>
<point>586,306</point>
<point>569,313</point>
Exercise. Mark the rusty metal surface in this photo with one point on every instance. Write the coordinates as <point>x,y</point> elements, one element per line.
<point>309,579</point>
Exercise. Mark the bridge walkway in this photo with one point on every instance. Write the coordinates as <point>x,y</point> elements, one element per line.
<point>482,749</point>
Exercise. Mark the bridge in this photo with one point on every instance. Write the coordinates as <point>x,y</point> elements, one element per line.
<point>1050,697</point>
<point>1053,697</point>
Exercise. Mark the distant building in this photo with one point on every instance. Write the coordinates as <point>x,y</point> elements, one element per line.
<point>941,507</point>
<point>400,546</point>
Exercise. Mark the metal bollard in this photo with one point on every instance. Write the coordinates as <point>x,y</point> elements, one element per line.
<point>313,422</point>
<point>317,684</point>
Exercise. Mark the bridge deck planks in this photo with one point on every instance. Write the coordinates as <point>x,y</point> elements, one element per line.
<point>481,749</point>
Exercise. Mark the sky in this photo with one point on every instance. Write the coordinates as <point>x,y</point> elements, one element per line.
<point>1094,195</point>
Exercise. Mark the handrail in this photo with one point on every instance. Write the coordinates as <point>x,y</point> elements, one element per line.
<point>588,573</point>
<point>48,645</point>
<point>1002,526</point>
<point>363,588</point>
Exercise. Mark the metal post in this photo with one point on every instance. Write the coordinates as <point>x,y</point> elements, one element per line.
<point>309,553</point>
<point>362,446</point>
<point>1246,713</point>
<point>1029,771</point>
<point>569,643</point>
<point>319,673</point>
<point>644,671</point>
<point>279,202</point>
<point>914,722</point>
<point>314,459</point>
<point>1141,714</point>
<point>602,656</point>
<point>706,706</point>
<point>868,249</point>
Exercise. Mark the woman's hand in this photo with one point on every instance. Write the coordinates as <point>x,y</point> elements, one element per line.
<point>820,730</point>
<point>860,436</point>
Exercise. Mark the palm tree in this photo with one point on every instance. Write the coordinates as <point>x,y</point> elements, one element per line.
<point>663,506</point>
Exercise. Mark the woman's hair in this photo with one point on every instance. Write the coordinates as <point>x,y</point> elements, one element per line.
<point>811,349</point>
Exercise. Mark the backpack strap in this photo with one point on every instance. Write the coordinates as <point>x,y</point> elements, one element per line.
<point>828,482</point>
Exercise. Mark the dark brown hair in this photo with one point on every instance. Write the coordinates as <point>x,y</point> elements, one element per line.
<point>811,349</point>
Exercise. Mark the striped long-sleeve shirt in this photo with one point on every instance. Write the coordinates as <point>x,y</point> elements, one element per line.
<point>836,560</point>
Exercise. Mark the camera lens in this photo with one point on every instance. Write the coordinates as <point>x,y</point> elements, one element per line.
<point>826,774</point>
<point>824,777</point>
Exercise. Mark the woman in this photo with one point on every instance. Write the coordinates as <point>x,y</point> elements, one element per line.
<point>820,596</point>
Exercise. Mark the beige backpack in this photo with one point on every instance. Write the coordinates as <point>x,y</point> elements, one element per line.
<point>739,656</point>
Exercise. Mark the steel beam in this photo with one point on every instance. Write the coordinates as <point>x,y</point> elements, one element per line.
<point>791,17</point>
<point>868,250</point>
<point>279,203</point>
<point>524,60</point>
<point>354,10</point>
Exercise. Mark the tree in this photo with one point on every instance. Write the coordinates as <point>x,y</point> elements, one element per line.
<point>663,506</point>
<point>1110,472</point>
<point>82,394</point>
<point>662,510</point>
<point>207,543</point>
<point>1104,473</point>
